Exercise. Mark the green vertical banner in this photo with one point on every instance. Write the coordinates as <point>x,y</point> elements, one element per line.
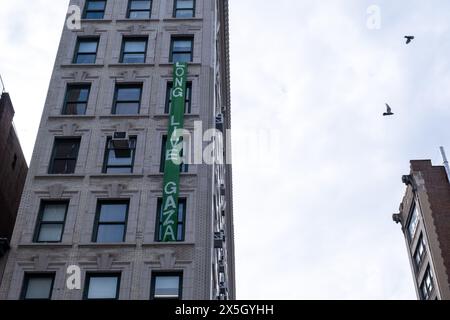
<point>174,149</point>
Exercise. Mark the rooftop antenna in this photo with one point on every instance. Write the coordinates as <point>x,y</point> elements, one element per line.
<point>446,165</point>
<point>3,85</point>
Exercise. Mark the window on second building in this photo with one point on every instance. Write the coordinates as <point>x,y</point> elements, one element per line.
<point>181,220</point>
<point>166,286</point>
<point>86,51</point>
<point>102,286</point>
<point>184,8</point>
<point>419,254</point>
<point>51,220</point>
<point>111,222</point>
<point>64,157</point>
<point>94,9</point>
<point>413,222</point>
<point>427,285</point>
<point>183,167</point>
<point>134,50</point>
<point>139,9</point>
<point>37,286</point>
<point>119,159</point>
<point>127,99</point>
<point>77,96</point>
<point>188,99</point>
<point>181,49</point>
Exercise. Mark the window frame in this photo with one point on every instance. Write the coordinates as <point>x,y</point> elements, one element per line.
<point>429,290</point>
<point>39,222</point>
<point>26,280</point>
<point>108,149</point>
<point>187,102</point>
<point>77,49</point>
<point>175,10</point>
<point>181,38</point>
<point>75,86</point>
<point>421,257</point>
<point>156,274</point>
<point>129,10</point>
<point>97,222</point>
<point>133,39</point>
<point>86,11</point>
<point>413,210</point>
<point>53,155</point>
<point>184,168</point>
<point>116,93</point>
<point>159,222</point>
<point>90,275</point>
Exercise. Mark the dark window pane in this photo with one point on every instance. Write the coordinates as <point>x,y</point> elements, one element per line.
<point>86,58</point>
<point>50,233</point>
<point>54,212</point>
<point>64,166</point>
<point>75,109</point>
<point>167,287</point>
<point>110,233</point>
<point>127,108</point>
<point>67,149</point>
<point>87,47</point>
<point>140,5</point>
<point>77,94</point>
<point>113,212</point>
<point>135,46</point>
<point>38,287</point>
<point>128,94</point>
<point>182,45</point>
<point>181,57</point>
<point>96,5</point>
<point>139,14</point>
<point>94,15</point>
<point>133,58</point>
<point>103,287</point>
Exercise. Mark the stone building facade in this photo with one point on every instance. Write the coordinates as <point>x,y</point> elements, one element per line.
<point>88,206</point>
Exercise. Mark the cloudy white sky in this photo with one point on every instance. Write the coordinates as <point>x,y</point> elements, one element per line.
<point>316,224</point>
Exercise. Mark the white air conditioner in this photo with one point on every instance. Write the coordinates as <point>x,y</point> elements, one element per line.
<point>121,145</point>
<point>219,122</point>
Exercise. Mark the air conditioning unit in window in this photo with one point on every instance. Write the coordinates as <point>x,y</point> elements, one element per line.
<point>121,145</point>
<point>219,122</point>
<point>219,239</point>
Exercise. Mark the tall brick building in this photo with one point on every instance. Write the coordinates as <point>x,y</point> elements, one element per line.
<point>94,191</point>
<point>425,220</point>
<point>13,171</point>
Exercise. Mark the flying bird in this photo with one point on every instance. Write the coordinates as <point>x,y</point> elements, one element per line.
<point>388,111</point>
<point>409,39</point>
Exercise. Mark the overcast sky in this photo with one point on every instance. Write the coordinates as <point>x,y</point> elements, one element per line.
<point>313,221</point>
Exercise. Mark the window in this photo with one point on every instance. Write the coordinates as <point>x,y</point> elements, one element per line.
<point>65,154</point>
<point>86,51</point>
<point>102,286</point>
<point>427,286</point>
<point>76,100</point>
<point>184,8</point>
<point>181,49</point>
<point>119,159</point>
<point>94,9</point>
<point>181,220</point>
<point>413,222</point>
<point>419,255</point>
<point>51,220</point>
<point>188,100</point>
<point>183,167</point>
<point>166,285</point>
<point>127,99</point>
<point>37,286</point>
<point>111,222</point>
<point>139,9</point>
<point>134,50</point>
